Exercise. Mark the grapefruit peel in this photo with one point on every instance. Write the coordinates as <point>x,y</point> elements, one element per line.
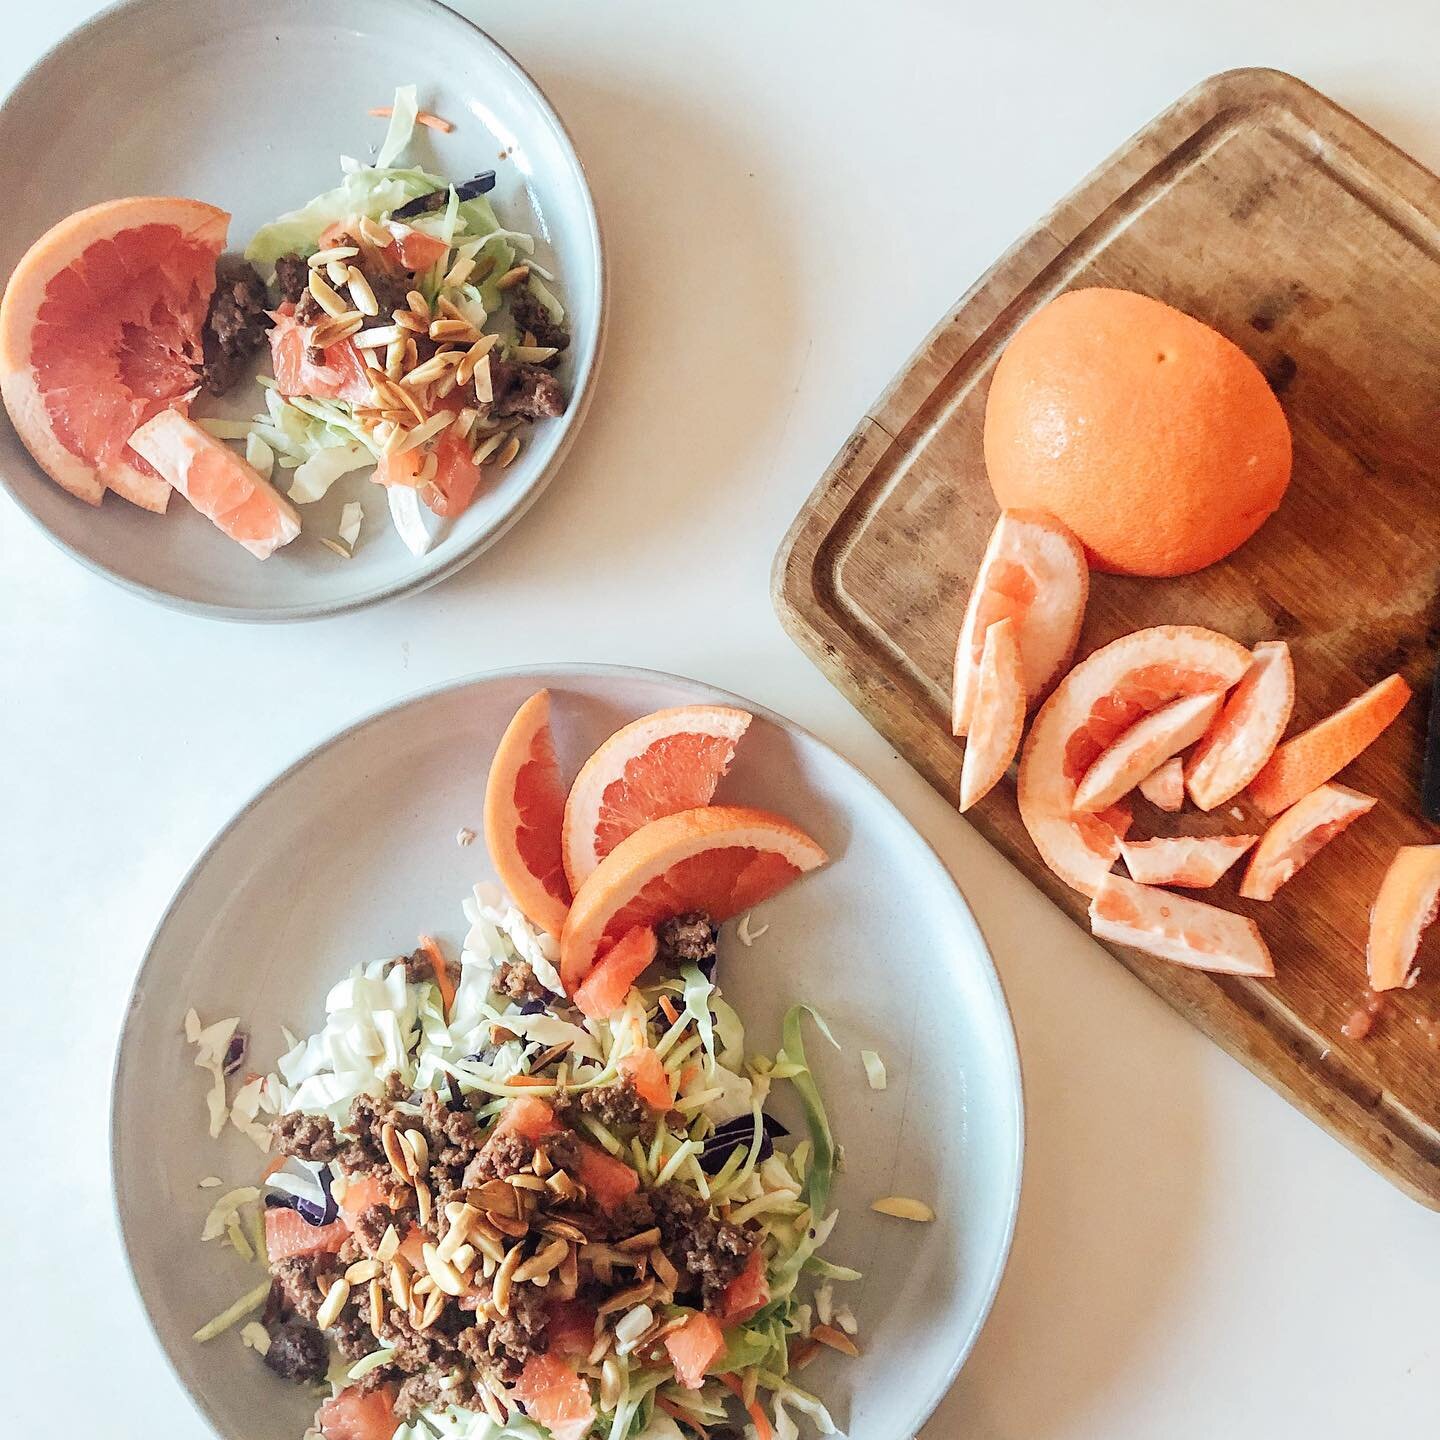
<point>1405,906</point>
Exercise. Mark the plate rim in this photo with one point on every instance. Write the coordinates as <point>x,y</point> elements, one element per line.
<point>965,1342</point>
<point>423,578</point>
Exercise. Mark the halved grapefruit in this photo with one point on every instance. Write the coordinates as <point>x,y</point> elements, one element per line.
<point>1310,758</point>
<point>1174,927</point>
<point>657,765</point>
<point>720,859</point>
<point>1147,743</point>
<point>100,329</point>
<point>1245,734</point>
<point>997,718</point>
<point>230,493</point>
<point>1164,786</point>
<point>1405,907</point>
<point>1299,835</point>
<point>1191,862</point>
<point>524,806</point>
<point>1094,705</point>
<point>1034,572</point>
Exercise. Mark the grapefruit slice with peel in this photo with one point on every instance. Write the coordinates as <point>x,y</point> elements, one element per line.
<point>1174,927</point>
<point>998,717</point>
<point>230,493</point>
<point>1299,835</point>
<point>1310,758</point>
<point>1164,786</point>
<point>657,765</point>
<point>524,806</point>
<point>719,859</point>
<point>1101,698</point>
<point>1405,907</point>
<point>1147,743</point>
<point>1190,862</point>
<point>100,329</point>
<point>1245,734</point>
<point>1034,572</point>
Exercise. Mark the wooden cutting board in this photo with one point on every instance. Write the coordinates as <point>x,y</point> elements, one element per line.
<point>1264,209</point>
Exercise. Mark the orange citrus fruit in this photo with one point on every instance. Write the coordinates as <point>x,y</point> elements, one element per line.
<point>1148,434</point>
<point>1243,737</point>
<point>1191,862</point>
<point>100,330</point>
<point>1299,835</point>
<point>1142,748</point>
<point>997,717</point>
<point>1403,910</point>
<point>524,806</point>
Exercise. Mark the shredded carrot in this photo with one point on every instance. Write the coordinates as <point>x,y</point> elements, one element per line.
<point>442,974</point>
<point>275,1163</point>
<point>835,1339</point>
<point>668,1006</point>
<point>435,122</point>
<point>528,1080</point>
<point>683,1416</point>
<point>757,1415</point>
<point>688,1076</point>
<point>803,1353</point>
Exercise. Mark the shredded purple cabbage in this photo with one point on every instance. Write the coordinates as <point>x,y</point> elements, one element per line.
<point>737,1134</point>
<point>707,967</point>
<point>534,1007</point>
<point>308,1210</point>
<point>235,1052</point>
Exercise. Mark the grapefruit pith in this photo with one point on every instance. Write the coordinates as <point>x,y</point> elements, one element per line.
<point>1247,730</point>
<point>1034,573</point>
<point>100,329</point>
<point>1164,787</point>
<point>1404,909</point>
<point>1190,862</point>
<point>1092,706</point>
<point>657,765</point>
<point>998,717</point>
<point>1298,836</point>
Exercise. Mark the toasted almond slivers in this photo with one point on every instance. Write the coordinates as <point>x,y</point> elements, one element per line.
<point>434,1304</point>
<point>512,277</point>
<point>625,1299</point>
<point>422,1201</point>
<point>612,1383</point>
<point>504,1277</point>
<point>360,292</point>
<point>904,1208</point>
<point>402,1139</point>
<point>459,272</point>
<point>509,452</point>
<point>534,354</point>
<point>321,258</point>
<point>483,451</point>
<point>418,303</point>
<point>494,1197</point>
<point>453,330</point>
<point>337,272</point>
<point>333,1304</point>
<point>643,1241</point>
<point>423,1285</point>
<point>333,331</point>
<point>420,1149</point>
<point>465,371</point>
<point>377,1308</point>
<point>400,1284</point>
<point>389,1244</point>
<point>395,1152</point>
<point>464,1258</point>
<point>442,1272</point>
<point>526,1182</point>
<point>363,1271</point>
<point>405,320</point>
<point>836,1340</point>
<point>374,232</point>
<point>665,1272</point>
<point>325,296</point>
<point>378,337</point>
<point>542,1262</point>
<point>493,1408</point>
<point>516,1229</point>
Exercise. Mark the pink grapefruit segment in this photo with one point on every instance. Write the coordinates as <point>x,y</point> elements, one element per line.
<point>1191,862</point>
<point>1101,698</point>
<point>1174,927</point>
<point>998,717</point>
<point>604,989</point>
<point>1146,744</point>
<point>1404,909</point>
<point>721,859</point>
<point>100,329</point>
<point>1034,573</point>
<point>1299,835</point>
<point>340,376</point>
<point>1310,758</point>
<point>230,493</point>
<point>524,807</point>
<point>1164,786</point>
<point>657,765</point>
<point>1247,730</point>
<point>354,1414</point>
<point>556,1397</point>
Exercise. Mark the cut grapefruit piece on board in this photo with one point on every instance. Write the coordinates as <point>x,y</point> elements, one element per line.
<point>657,765</point>
<point>340,376</point>
<point>1034,573</point>
<point>555,1397</point>
<point>1191,862</point>
<point>100,329</point>
<point>1164,786</point>
<point>1404,908</point>
<point>1174,927</point>
<point>1309,759</point>
<point>524,807</point>
<point>1298,836</point>
<point>230,493</point>
<point>1147,743</point>
<point>721,859</point>
<point>1101,698</point>
<point>1246,732</point>
<point>997,718</point>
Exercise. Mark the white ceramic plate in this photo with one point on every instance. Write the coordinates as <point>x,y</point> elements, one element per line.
<point>352,852</point>
<point>250,106</point>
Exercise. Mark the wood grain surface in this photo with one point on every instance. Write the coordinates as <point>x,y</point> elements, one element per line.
<point>1264,209</point>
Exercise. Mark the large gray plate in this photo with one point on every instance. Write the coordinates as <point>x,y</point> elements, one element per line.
<point>352,852</point>
<point>249,106</point>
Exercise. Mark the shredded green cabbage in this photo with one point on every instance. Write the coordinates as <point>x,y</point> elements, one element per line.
<point>792,1053</point>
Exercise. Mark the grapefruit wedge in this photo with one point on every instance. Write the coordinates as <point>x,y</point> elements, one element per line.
<point>1174,927</point>
<point>230,493</point>
<point>1245,734</point>
<point>1191,862</point>
<point>1310,758</point>
<point>1033,572</point>
<point>1405,907</point>
<point>719,859</point>
<point>1299,835</point>
<point>100,329</point>
<point>1101,698</point>
<point>998,716</point>
<point>1146,744</point>
<point>657,765</point>
<point>556,1397</point>
<point>1164,786</point>
<point>524,806</point>
<point>340,376</point>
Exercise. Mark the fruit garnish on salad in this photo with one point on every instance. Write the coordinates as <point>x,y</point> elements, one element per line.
<point>543,1191</point>
<point>404,329</point>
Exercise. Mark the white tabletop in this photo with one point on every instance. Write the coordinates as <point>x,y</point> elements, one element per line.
<point>792,194</point>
